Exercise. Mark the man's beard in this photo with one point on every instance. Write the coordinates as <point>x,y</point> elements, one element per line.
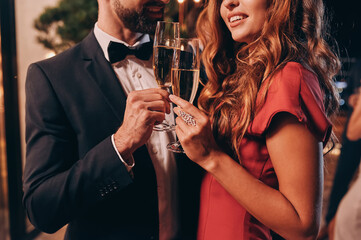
<point>135,21</point>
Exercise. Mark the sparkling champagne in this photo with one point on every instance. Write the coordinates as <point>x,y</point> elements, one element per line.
<point>185,83</point>
<point>162,64</point>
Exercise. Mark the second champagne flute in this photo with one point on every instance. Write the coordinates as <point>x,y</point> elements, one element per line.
<point>185,75</point>
<point>164,47</point>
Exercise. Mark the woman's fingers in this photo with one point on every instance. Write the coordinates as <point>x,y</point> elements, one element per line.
<point>181,128</point>
<point>187,106</point>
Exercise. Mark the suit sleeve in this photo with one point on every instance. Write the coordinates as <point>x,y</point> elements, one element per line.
<point>58,185</point>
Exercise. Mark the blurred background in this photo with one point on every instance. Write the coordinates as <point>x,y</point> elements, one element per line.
<point>38,29</point>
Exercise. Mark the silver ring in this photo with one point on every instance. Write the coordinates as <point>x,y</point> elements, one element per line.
<point>187,118</point>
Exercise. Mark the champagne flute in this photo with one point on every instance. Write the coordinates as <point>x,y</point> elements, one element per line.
<point>163,49</point>
<point>185,75</point>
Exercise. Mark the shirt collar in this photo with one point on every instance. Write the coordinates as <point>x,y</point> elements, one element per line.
<point>104,39</point>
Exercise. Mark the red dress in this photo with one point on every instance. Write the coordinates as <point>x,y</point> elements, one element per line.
<point>294,90</point>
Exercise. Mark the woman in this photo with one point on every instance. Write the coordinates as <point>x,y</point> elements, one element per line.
<point>262,123</point>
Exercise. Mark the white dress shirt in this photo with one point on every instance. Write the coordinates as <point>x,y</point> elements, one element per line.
<point>135,74</point>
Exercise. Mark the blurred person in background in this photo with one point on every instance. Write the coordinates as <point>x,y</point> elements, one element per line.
<point>349,158</point>
<point>347,223</point>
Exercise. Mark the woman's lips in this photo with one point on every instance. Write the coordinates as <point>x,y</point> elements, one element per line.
<point>236,19</point>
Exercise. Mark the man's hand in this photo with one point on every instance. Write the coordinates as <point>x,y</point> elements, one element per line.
<point>144,109</point>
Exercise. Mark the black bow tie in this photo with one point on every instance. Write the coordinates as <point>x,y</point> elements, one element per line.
<point>118,51</point>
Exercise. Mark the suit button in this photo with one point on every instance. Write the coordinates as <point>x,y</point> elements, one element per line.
<point>139,75</point>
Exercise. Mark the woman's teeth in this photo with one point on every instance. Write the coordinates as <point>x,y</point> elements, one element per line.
<point>235,18</point>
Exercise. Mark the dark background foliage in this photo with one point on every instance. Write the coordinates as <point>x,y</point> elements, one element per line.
<point>71,20</point>
<point>68,22</point>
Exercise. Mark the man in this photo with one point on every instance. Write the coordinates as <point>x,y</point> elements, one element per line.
<point>93,159</point>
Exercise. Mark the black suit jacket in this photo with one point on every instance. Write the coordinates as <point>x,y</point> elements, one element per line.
<point>74,103</point>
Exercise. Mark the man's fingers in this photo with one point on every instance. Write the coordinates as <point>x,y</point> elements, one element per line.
<point>152,118</point>
<point>158,106</point>
<point>152,92</point>
<point>151,99</point>
<point>164,93</point>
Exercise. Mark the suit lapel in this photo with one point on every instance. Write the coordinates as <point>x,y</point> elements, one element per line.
<point>101,72</point>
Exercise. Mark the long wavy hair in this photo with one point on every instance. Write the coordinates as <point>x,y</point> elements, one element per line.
<point>294,30</point>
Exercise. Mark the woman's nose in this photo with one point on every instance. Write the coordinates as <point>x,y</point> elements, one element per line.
<point>230,4</point>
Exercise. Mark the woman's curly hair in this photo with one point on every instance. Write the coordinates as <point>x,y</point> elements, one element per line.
<point>294,30</point>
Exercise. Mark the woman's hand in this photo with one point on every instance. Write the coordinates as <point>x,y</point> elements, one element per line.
<point>195,133</point>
